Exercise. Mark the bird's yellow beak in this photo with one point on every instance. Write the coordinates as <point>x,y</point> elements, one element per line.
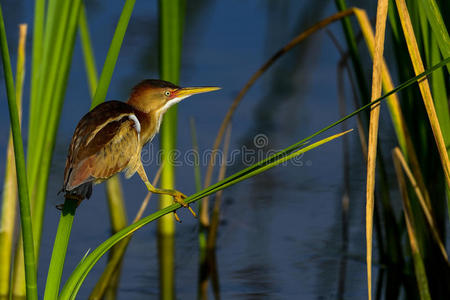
<point>189,91</point>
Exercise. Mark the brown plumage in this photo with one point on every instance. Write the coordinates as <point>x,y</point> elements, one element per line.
<point>109,139</point>
<point>104,143</point>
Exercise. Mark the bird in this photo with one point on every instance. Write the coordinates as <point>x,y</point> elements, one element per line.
<point>109,139</point>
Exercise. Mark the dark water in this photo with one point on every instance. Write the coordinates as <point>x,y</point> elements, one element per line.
<point>281,233</point>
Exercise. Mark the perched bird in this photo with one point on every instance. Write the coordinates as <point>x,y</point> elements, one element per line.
<point>109,138</point>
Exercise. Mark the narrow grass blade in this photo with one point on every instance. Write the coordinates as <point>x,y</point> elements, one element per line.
<point>9,204</point>
<point>42,42</point>
<point>79,274</point>
<point>36,61</point>
<point>24,202</point>
<point>419,266</point>
<point>113,53</point>
<point>88,53</point>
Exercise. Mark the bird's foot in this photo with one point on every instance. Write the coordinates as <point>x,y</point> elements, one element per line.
<point>179,197</point>
<point>71,198</point>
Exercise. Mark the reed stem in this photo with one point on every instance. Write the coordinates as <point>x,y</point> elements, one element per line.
<point>24,202</point>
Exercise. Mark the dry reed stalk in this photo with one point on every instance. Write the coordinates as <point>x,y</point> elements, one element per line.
<point>380,30</point>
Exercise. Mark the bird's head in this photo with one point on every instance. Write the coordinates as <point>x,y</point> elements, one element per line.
<point>156,96</point>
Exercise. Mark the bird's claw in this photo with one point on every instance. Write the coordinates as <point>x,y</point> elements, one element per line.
<point>179,197</point>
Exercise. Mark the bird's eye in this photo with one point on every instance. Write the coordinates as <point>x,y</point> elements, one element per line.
<point>167,93</point>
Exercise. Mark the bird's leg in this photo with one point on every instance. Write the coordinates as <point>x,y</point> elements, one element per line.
<point>178,196</point>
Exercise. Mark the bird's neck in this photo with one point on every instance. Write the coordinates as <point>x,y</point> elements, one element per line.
<point>150,123</point>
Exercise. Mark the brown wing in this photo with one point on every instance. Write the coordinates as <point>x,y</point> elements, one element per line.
<point>105,142</point>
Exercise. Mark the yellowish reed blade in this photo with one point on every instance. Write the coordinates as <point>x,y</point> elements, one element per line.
<point>380,30</point>
<point>419,266</point>
<point>401,159</point>
<point>116,204</point>
<point>392,101</point>
<point>9,204</point>
<point>423,85</point>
